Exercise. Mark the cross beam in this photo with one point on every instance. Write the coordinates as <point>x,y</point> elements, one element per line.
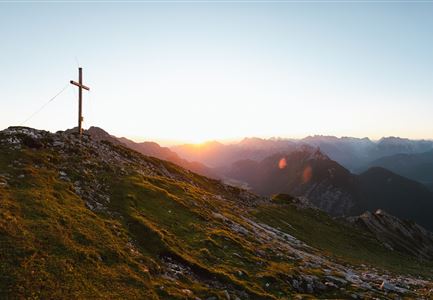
<point>80,86</point>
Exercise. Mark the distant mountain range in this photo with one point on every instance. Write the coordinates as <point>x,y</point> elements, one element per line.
<point>417,166</point>
<point>217,155</point>
<point>331,187</point>
<point>353,153</point>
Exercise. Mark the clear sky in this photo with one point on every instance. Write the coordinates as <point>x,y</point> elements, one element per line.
<point>221,70</point>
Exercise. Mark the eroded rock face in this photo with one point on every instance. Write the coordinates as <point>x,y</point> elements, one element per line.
<point>397,234</point>
<point>329,198</point>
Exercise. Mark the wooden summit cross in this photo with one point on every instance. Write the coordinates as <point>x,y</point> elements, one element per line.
<point>81,86</point>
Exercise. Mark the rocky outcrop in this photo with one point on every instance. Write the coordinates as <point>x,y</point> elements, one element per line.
<point>148,148</point>
<point>396,234</point>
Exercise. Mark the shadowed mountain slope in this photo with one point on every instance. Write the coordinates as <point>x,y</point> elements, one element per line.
<point>306,173</point>
<point>382,189</point>
<point>417,166</point>
<point>331,187</point>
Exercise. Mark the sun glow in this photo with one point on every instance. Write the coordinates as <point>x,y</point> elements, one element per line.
<point>197,141</point>
<point>194,78</point>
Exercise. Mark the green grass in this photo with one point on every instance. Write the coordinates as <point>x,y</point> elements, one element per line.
<point>336,239</point>
<point>53,246</point>
<point>159,208</point>
<point>51,250</point>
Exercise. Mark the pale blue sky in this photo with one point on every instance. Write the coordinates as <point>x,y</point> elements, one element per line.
<point>199,71</point>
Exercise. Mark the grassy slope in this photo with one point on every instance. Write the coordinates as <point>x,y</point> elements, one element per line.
<point>337,239</point>
<point>53,246</point>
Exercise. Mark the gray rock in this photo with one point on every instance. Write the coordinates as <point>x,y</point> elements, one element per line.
<point>295,284</point>
<point>337,280</point>
<point>227,295</point>
<point>330,284</point>
<point>387,286</point>
<point>320,286</point>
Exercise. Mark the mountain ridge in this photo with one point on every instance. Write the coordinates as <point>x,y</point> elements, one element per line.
<point>331,187</point>
<point>150,149</point>
<point>352,153</point>
<point>395,233</point>
<point>417,166</point>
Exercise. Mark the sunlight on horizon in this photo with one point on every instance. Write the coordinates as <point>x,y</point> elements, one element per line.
<point>190,73</point>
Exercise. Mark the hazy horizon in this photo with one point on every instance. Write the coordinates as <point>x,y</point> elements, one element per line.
<point>172,143</point>
<point>222,70</point>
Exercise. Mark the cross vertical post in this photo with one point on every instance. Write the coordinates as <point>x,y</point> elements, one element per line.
<point>80,86</point>
<point>80,101</point>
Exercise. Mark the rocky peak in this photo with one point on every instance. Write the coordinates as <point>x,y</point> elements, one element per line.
<point>311,152</point>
